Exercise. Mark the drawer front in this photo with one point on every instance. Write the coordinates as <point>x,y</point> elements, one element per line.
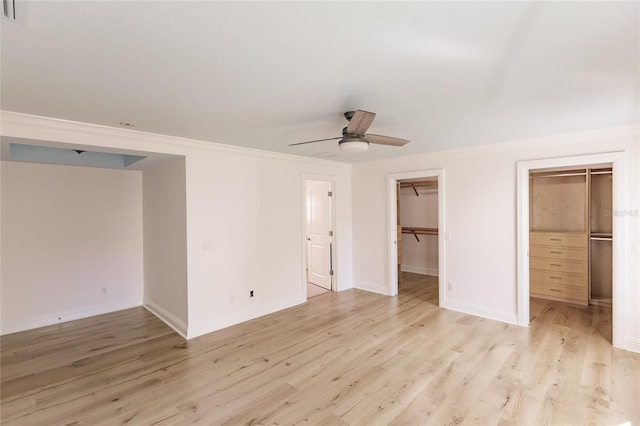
<point>558,278</point>
<point>558,291</point>
<point>559,252</point>
<point>566,266</point>
<point>557,239</point>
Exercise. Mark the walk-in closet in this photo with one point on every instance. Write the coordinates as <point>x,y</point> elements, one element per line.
<point>570,253</point>
<point>418,227</point>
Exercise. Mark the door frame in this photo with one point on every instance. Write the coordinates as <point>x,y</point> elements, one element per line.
<point>392,232</point>
<point>619,193</point>
<point>303,230</point>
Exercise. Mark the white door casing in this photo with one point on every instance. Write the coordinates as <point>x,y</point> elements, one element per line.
<point>619,285</point>
<point>392,253</point>
<point>319,233</point>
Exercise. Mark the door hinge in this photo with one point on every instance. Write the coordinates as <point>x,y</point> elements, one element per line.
<point>330,194</point>
<point>331,233</point>
<point>9,9</point>
<point>331,273</point>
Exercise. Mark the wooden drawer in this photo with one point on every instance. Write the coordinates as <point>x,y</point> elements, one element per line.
<point>566,266</point>
<point>559,292</point>
<point>557,278</point>
<point>559,253</point>
<point>557,239</point>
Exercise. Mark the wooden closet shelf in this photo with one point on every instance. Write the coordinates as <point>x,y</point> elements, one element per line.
<point>419,231</point>
<point>605,301</point>
<point>431,183</point>
<point>558,173</point>
<point>423,184</point>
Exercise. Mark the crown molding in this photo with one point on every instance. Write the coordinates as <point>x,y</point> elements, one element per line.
<point>19,125</point>
<point>628,131</point>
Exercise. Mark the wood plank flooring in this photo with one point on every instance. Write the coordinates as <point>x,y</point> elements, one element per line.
<point>349,358</point>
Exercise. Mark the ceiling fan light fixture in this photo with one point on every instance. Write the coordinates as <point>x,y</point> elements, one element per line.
<point>353,144</point>
<point>355,137</point>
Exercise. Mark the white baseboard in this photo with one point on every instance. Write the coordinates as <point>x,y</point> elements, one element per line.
<point>167,317</point>
<point>240,317</point>
<point>342,285</point>
<point>632,344</point>
<point>9,327</point>
<point>374,288</point>
<point>481,311</point>
<point>424,270</point>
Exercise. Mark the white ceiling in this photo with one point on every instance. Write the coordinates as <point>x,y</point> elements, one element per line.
<point>263,75</point>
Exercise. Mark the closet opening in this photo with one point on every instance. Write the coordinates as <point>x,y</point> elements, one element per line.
<point>417,225</point>
<point>570,245</point>
<point>416,238</point>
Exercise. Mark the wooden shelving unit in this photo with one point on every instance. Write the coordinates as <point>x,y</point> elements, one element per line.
<point>571,235</point>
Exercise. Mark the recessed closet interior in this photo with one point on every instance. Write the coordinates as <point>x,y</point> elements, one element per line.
<point>417,227</point>
<point>570,253</point>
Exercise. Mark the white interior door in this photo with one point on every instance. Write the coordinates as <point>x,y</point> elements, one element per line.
<point>319,233</point>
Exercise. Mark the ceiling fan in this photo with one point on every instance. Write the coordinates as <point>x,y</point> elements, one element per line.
<point>354,139</point>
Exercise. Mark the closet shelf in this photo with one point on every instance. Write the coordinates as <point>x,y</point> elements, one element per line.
<point>429,183</point>
<point>558,173</point>
<point>419,231</point>
<point>602,301</point>
<point>415,185</point>
<point>607,236</point>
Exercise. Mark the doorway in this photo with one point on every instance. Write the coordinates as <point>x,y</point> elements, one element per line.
<point>570,242</point>
<point>417,219</point>
<point>422,231</point>
<point>319,235</point>
<point>616,161</point>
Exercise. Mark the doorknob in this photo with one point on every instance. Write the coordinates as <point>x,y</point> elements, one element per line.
<point>308,239</point>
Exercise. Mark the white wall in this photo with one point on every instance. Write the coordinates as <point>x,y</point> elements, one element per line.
<point>165,242</point>
<point>480,214</point>
<point>71,243</point>
<point>421,211</point>
<point>244,217</point>
<point>245,231</point>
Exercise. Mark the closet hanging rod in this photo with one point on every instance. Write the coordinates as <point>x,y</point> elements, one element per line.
<point>601,234</point>
<point>419,231</point>
<point>602,238</point>
<point>419,183</point>
<point>558,175</point>
<point>602,173</point>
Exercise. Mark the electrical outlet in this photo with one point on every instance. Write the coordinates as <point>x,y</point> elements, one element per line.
<point>250,293</point>
<point>450,286</point>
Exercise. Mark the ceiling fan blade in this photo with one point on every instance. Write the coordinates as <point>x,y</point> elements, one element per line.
<point>317,140</point>
<point>360,122</point>
<point>386,140</point>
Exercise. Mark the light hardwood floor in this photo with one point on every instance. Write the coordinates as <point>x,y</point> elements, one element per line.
<point>342,358</point>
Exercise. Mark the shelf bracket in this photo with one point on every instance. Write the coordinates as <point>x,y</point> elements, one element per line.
<point>416,191</point>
